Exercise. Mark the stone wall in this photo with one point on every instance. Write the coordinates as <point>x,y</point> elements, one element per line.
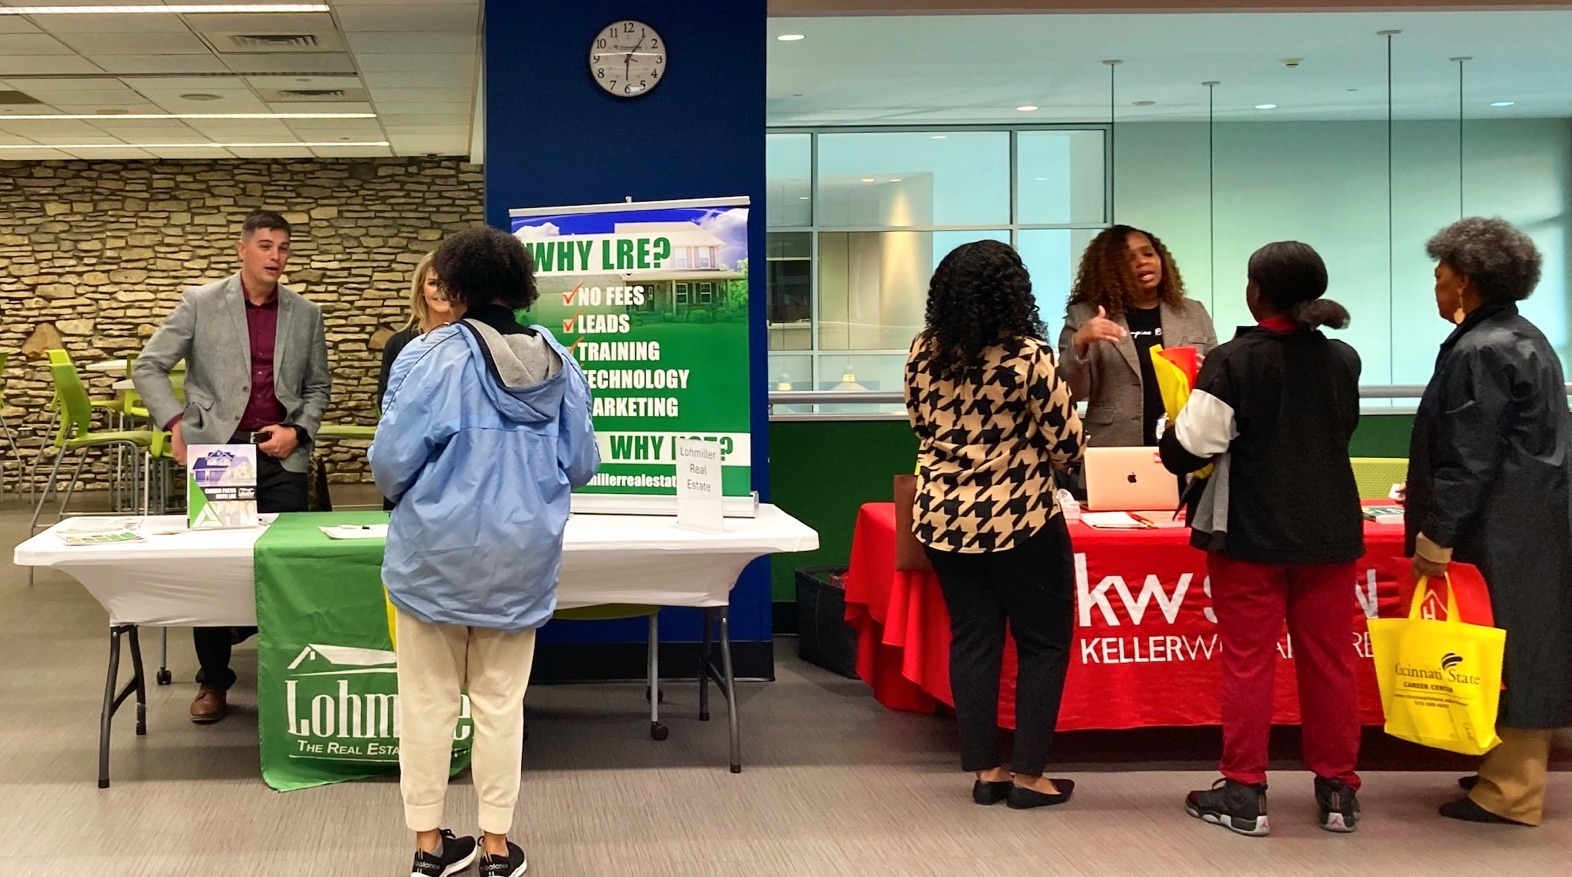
<point>93,256</point>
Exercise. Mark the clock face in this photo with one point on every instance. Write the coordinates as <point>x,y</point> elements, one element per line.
<point>627,58</point>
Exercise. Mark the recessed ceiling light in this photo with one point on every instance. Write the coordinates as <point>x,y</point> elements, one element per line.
<point>124,114</point>
<point>201,95</point>
<point>938,137</point>
<point>1042,179</point>
<point>1026,108</point>
<point>170,9</point>
<point>1266,106</point>
<point>802,197</point>
<point>895,179</point>
<point>867,179</point>
<point>1502,103</point>
<point>790,37</point>
<point>199,145</point>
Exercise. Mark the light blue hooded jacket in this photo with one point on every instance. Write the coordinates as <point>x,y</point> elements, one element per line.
<point>482,436</point>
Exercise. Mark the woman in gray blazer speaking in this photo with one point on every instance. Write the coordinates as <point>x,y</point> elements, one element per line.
<point>1128,298</point>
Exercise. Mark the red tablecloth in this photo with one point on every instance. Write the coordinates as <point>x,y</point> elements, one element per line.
<point>1145,651</point>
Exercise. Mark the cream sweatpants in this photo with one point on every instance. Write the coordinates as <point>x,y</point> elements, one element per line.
<point>436,663</point>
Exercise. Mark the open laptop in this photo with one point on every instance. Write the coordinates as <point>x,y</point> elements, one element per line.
<point>1128,480</point>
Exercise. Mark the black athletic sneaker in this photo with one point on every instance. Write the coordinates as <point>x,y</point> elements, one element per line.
<point>514,864</point>
<point>456,854</point>
<point>1235,806</point>
<point>1338,806</point>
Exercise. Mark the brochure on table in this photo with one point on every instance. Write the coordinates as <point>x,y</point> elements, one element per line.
<point>221,486</point>
<point>652,299</point>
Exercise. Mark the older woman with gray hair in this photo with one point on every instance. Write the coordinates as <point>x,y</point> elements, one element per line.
<point>1490,483</point>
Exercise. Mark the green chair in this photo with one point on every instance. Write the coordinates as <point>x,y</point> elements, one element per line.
<point>76,433</point>
<point>1376,475</point>
<point>616,611</point>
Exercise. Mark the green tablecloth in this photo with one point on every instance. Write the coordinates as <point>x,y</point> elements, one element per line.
<point>327,685</point>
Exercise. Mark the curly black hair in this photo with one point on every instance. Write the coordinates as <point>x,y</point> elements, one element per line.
<point>1503,262</point>
<point>483,266</point>
<point>979,295</point>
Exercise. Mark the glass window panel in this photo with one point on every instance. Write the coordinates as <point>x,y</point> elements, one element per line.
<point>1060,178</point>
<point>885,372</point>
<point>1051,257</point>
<point>788,159</point>
<point>873,286</point>
<point>789,282</point>
<point>914,180</point>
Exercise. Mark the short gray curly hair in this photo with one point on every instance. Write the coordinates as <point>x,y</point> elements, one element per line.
<point>1502,261</point>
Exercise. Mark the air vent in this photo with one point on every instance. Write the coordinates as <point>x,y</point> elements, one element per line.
<point>18,99</point>
<point>313,95</point>
<point>274,42</point>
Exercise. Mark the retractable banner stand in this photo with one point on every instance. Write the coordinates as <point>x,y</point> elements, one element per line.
<point>652,300</point>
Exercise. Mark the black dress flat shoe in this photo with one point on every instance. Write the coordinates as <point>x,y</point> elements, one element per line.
<point>1466,810</point>
<point>1468,783</point>
<point>1022,798</point>
<point>986,793</point>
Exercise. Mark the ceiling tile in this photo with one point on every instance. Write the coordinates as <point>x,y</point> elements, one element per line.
<point>142,24</point>
<point>194,83</point>
<point>241,130</point>
<point>116,43</point>
<point>449,96</point>
<point>148,130</point>
<point>132,106</point>
<point>425,79</point>
<point>416,17</point>
<point>51,130</point>
<point>453,62</point>
<point>160,63</point>
<point>46,65</point>
<point>122,154</point>
<point>51,86</point>
<point>304,82</point>
<point>404,120</point>
<point>292,62</point>
<point>32,44</point>
<point>17,24</point>
<point>374,43</point>
<point>228,102</point>
<point>440,144</point>
<point>272,152</point>
<point>33,155</point>
<point>352,151</point>
<point>403,108</point>
<point>177,152</point>
<point>319,106</point>
<point>98,98</point>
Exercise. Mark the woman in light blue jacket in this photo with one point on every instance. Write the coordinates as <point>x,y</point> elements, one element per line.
<point>486,428</point>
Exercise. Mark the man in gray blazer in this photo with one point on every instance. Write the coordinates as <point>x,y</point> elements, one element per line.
<point>256,370</point>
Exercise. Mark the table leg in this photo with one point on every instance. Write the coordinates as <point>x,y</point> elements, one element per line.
<point>705,644</point>
<point>163,677</point>
<point>657,730</point>
<point>113,698</point>
<point>730,691</point>
<point>140,680</point>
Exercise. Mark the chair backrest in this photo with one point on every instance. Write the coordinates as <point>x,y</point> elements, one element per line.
<point>1376,475</point>
<point>76,412</point>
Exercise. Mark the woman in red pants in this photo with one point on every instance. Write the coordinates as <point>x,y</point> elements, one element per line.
<point>1279,518</point>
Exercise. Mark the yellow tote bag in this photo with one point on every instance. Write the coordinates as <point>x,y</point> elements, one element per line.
<point>1440,680</point>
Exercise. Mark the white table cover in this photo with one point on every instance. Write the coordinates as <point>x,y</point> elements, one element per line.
<point>205,577</point>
